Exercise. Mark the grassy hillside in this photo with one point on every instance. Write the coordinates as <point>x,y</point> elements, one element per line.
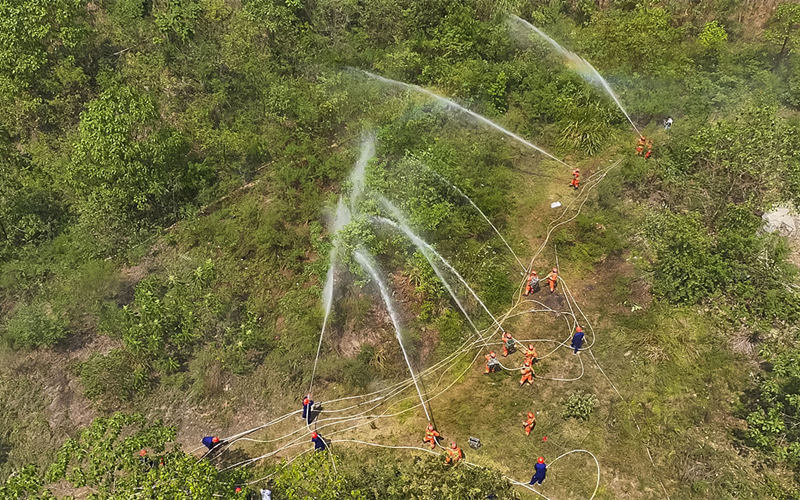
<point>169,180</point>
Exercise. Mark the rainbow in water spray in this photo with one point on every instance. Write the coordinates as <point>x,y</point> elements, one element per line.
<point>579,65</point>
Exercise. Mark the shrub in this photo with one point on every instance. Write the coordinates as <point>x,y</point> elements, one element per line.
<point>771,425</point>
<point>358,372</point>
<point>579,405</point>
<point>713,36</point>
<point>687,269</point>
<point>35,325</point>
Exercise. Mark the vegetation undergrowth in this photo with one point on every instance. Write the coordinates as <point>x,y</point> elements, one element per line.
<point>168,172</point>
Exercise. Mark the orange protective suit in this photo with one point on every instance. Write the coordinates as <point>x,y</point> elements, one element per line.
<point>430,436</point>
<point>552,280</point>
<point>530,423</point>
<point>454,454</point>
<point>491,362</point>
<point>575,179</point>
<point>527,375</point>
<point>533,284</point>
<point>530,354</point>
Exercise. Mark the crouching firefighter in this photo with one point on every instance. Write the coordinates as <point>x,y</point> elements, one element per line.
<point>430,435</point>
<point>454,454</point>
<point>527,373</point>
<point>533,284</point>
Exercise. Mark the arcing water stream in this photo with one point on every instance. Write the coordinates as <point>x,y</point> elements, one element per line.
<point>580,65</point>
<point>421,244</point>
<point>482,215</point>
<point>427,254</point>
<point>342,218</point>
<point>365,262</point>
<point>457,106</point>
<point>357,175</point>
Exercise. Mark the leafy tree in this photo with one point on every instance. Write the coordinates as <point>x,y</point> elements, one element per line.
<point>128,166</point>
<point>431,478</point>
<point>312,477</point>
<point>422,478</point>
<point>713,36</point>
<point>43,49</point>
<point>731,259</point>
<point>783,28</point>
<point>687,269</point>
<point>31,211</point>
<point>736,159</point>
<point>643,40</point>
<point>177,17</point>
<point>34,32</point>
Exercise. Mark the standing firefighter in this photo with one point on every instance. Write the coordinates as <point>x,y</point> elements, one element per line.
<point>454,454</point>
<point>319,443</point>
<point>577,339</point>
<point>541,471</point>
<point>492,365</point>
<point>531,354</point>
<point>508,344</point>
<point>575,179</point>
<point>430,435</point>
<point>649,150</point>
<point>552,279</point>
<point>530,423</point>
<point>527,373</point>
<point>308,406</point>
<point>533,284</point>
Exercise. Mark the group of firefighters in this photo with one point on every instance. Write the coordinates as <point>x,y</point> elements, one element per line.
<point>640,147</point>
<point>531,357</point>
<point>534,286</point>
<point>454,452</point>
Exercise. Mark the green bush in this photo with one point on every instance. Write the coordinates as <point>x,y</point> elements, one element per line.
<point>358,372</point>
<point>36,325</point>
<point>688,269</point>
<point>772,423</point>
<point>163,325</point>
<point>695,262</point>
<point>578,405</point>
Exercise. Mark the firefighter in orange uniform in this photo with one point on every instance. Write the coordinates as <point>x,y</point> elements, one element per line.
<point>430,435</point>
<point>454,454</point>
<point>508,344</point>
<point>552,279</point>
<point>575,179</point>
<point>530,423</point>
<point>527,373</point>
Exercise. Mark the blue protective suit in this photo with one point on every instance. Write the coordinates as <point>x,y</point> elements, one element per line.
<point>319,443</point>
<point>209,443</point>
<point>538,476</point>
<point>577,341</point>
